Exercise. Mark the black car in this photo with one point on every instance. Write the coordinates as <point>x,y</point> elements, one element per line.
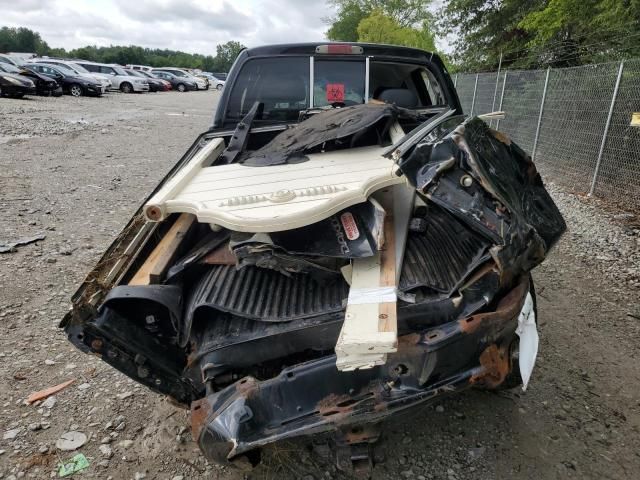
<point>15,86</point>
<point>180,84</point>
<point>155,85</point>
<point>45,86</point>
<point>72,83</point>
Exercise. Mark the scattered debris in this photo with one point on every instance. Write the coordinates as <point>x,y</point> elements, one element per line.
<point>11,434</point>
<point>42,394</point>
<point>77,463</point>
<point>13,246</point>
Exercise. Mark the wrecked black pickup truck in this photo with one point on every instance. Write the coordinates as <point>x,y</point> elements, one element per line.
<point>341,245</point>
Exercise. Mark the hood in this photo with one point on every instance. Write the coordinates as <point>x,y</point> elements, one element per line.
<point>12,77</point>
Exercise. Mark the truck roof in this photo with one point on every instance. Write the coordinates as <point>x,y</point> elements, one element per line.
<point>309,48</point>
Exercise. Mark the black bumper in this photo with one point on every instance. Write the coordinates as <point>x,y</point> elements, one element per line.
<point>315,397</point>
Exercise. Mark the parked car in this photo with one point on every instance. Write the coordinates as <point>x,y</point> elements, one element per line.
<point>120,80</point>
<point>144,68</point>
<point>201,83</point>
<point>45,85</point>
<point>72,83</point>
<point>341,245</point>
<point>15,85</point>
<point>105,80</point>
<point>155,85</point>
<point>166,85</point>
<point>217,83</point>
<point>181,84</point>
<point>220,75</point>
<point>5,58</point>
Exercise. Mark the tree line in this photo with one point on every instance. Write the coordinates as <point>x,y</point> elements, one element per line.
<point>522,34</point>
<point>28,41</point>
<point>481,33</point>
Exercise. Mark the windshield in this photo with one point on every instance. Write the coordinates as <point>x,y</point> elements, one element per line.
<point>178,73</point>
<point>7,67</point>
<point>78,68</point>
<point>63,69</point>
<point>119,70</point>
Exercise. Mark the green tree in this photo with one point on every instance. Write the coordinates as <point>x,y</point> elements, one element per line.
<point>226,54</point>
<point>344,26</point>
<point>22,40</point>
<point>380,28</point>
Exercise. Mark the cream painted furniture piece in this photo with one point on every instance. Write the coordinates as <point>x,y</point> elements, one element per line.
<point>272,198</point>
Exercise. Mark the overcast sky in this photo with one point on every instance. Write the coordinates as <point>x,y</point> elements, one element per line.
<point>195,26</point>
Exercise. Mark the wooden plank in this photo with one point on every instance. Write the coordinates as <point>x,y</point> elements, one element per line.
<point>156,264</point>
<point>220,256</point>
<point>370,328</point>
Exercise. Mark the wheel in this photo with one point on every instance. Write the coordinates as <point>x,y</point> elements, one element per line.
<point>181,87</point>
<point>76,90</point>
<point>219,86</point>
<point>126,87</point>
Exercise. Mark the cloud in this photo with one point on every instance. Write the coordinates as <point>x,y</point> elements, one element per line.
<point>195,26</point>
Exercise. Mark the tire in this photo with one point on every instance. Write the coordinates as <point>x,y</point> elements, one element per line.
<point>181,87</point>
<point>76,90</point>
<point>219,87</point>
<point>126,87</point>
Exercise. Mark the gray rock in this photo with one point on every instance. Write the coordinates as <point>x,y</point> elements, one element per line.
<point>49,402</point>
<point>11,434</point>
<point>71,441</point>
<point>106,451</point>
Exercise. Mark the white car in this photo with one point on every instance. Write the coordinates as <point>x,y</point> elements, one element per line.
<point>180,72</point>
<point>120,80</point>
<point>214,81</point>
<point>104,80</point>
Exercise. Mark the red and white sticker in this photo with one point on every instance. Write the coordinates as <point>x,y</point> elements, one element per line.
<point>335,92</point>
<point>349,225</point>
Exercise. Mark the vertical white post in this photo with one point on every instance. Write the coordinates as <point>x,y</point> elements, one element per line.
<point>606,129</point>
<point>504,83</point>
<point>495,90</point>
<point>473,102</point>
<point>544,96</point>
<point>455,81</point>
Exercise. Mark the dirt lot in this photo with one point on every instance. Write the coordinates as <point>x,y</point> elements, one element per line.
<point>76,169</point>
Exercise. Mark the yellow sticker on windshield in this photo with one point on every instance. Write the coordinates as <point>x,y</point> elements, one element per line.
<point>635,119</point>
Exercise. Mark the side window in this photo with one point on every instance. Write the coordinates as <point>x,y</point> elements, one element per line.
<point>338,81</point>
<point>280,84</point>
<point>107,70</point>
<point>418,80</point>
<point>92,68</point>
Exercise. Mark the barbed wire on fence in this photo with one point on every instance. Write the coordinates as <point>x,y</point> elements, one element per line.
<point>576,120</point>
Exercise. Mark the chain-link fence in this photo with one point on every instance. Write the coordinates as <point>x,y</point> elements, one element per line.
<point>575,122</point>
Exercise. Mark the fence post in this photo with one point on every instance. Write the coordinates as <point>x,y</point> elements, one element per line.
<point>473,102</point>
<point>606,129</point>
<point>504,83</point>
<point>544,96</point>
<point>455,82</point>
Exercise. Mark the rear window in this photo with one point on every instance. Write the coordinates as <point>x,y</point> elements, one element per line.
<point>281,84</point>
<point>403,76</point>
<point>338,82</point>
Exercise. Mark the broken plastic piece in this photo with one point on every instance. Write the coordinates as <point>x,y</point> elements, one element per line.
<point>77,463</point>
<point>528,334</point>
<point>47,392</point>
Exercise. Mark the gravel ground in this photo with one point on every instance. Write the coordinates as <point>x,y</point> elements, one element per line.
<point>76,169</point>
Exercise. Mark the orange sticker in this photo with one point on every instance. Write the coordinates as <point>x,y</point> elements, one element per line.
<point>349,225</point>
<point>335,92</point>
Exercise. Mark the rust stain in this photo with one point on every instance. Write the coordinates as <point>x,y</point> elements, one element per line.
<point>508,308</point>
<point>500,136</point>
<point>497,366</point>
<point>220,256</point>
<point>199,412</point>
<point>362,434</point>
